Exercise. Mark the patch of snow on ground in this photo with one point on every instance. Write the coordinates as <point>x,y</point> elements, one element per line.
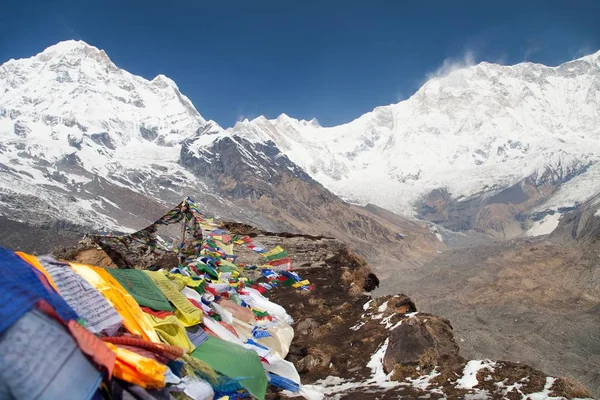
<point>383,307</point>
<point>422,382</point>
<point>387,322</point>
<point>357,326</point>
<point>396,325</point>
<point>479,395</point>
<point>545,393</point>
<point>379,377</point>
<point>544,226</point>
<point>324,388</point>
<point>469,378</point>
<point>367,305</point>
<point>327,388</point>
<point>506,389</point>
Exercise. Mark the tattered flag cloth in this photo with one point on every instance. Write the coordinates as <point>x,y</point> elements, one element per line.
<point>172,331</point>
<point>138,245</point>
<point>275,254</point>
<point>197,335</point>
<point>260,332</point>
<point>111,289</point>
<point>134,368</point>
<point>40,360</point>
<point>88,303</point>
<point>161,349</point>
<point>282,263</point>
<point>34,262</point>
<point>283,383</point>
<point>186,312</point>
<point>93,347</point>
<point>142,288</point>
<point>247,368</point>
<point>21,286</point>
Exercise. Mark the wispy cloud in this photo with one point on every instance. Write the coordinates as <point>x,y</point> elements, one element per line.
<point>248,116</point>
<point>529,51</point>
<point>583,51</point>
<point>451,64</point>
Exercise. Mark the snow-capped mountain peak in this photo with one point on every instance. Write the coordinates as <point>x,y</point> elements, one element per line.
<point>72,50</point>
<point>69,116</point>
<point>71,105</point>
<point>85,141</point>
<point>476,129</point>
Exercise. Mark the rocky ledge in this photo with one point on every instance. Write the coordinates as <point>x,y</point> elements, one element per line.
<point>349,345</point>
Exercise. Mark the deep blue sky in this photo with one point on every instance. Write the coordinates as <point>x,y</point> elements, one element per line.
<point>333,60</point>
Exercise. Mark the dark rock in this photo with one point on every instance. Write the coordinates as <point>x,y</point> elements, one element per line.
<point>371,283</point>
<point>312,361</point>
<point>402,304</point>
<point>21,129</point>
<point>69,160</point>
<point>103,139</point>
<point>75,142</point>
<point>149,133</point>
<point>417,338</point>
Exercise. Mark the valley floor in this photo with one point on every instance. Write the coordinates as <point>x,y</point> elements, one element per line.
<point>528,301</point>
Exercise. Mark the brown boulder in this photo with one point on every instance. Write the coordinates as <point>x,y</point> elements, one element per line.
<point>421,341</point>
<point>93,256</point>
<point>402,304</point>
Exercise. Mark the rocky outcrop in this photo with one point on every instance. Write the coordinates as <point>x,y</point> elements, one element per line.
<point>381,348</point>
<point>344,333</point>
<point>422,341</point>
<point>581,225</point>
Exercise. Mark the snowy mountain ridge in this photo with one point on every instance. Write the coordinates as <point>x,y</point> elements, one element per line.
<point>87,145</point>
<point>477,129</point>
<point>72,122</point>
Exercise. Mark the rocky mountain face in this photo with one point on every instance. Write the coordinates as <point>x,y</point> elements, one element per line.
<point>483,148</point>
<point>488,148</point>
<point>84,141</point>
<point>581,225</point>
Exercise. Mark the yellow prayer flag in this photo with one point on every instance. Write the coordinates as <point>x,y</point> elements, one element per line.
<point>139,370</point>
<point>121,300</point>
<point>274,251</point>
<point>172,331</point>
<point>301,283</point>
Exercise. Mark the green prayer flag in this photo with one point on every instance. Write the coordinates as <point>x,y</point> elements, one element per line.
<point>277,256</point>
<point>236,362</point>
<point>142,288</point>
<point>289,282</point>
<point>260,313</point>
